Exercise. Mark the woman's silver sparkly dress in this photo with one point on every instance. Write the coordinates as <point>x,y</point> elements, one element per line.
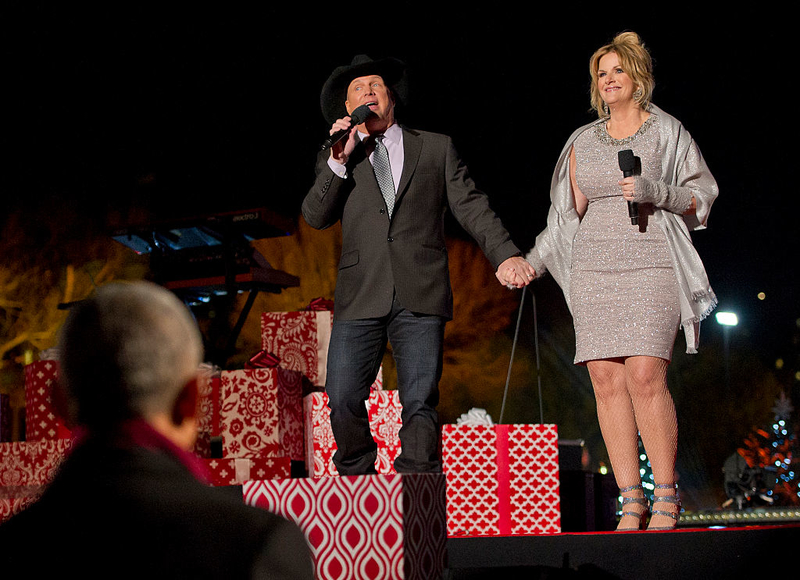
<point>623,292</point>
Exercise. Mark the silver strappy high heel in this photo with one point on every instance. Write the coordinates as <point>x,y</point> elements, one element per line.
<point>670,499</point>
<point>640,515</point>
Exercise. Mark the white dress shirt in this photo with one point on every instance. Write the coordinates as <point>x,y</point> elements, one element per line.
<point>393,140</point>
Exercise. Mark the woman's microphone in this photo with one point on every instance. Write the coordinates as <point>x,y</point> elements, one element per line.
<point>627,163</point>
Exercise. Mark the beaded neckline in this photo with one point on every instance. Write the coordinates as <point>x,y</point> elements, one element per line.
<point>602,132</point>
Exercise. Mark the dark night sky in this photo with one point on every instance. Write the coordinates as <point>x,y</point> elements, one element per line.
<point>194,111</point>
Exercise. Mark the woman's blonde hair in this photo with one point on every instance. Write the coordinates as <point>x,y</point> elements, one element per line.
<point>636,62</point>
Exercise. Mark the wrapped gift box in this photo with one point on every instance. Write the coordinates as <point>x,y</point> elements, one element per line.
<point>385,421</point>
<point>208,424</point>
<point>261,413</point>
<point>501,479</point>
<point>25,468</point>
<point>224,471</point>
<point>41,419</point>
<point>369,526</point>
<point>300,341</point>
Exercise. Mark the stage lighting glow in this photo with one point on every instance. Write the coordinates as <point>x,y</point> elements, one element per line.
<point>727,318</point>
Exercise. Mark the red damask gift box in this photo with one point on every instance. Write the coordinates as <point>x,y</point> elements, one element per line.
<point>501,479</point>
<point>41,419</point>
<point>222,472</point>
<point>300,342</point>
<point>385,421</point>
<point>381,527</point>
<point>25,467</point>
<point>261,413</point>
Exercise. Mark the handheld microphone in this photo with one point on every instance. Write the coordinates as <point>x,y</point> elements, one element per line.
<point>358,116</point>
<point>627,163</point>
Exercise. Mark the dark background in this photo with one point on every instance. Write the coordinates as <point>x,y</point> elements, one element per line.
<point>188,111</point>
<point>184,111</point>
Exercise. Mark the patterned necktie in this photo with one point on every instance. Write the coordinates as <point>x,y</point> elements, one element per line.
<point>383,172</point>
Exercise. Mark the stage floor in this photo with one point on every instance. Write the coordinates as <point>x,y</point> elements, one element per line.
<point>728,553</point>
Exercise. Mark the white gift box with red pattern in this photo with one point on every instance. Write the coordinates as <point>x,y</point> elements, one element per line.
<point>381,527</point>
<point>208,416</point>
<point>25,467</point>
<point>501,479</point>
<point>300,340</point>
<point>41,419</point>
<point>385,420</point>
<point>261,413</point>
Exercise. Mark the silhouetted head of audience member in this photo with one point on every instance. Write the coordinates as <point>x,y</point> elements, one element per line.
<point>131,351</point>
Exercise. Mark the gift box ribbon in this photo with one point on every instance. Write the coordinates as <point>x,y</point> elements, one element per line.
<point>503,480</point>
<point>241,468</point>
<point>320,304</point>
<point>263,360</point>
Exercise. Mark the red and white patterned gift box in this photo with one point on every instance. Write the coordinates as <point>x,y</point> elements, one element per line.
<point>385,421</point>
<point>25,467</point>
<point>261,413</point>
<point>367,527</point>
<point>225,471</point>
<point>300,341</point>
<point>208,415</point>
<point>501,479</point>
<point>41,419</point>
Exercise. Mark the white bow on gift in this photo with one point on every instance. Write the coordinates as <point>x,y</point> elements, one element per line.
<point>475,417</point>
<point>50,354</point>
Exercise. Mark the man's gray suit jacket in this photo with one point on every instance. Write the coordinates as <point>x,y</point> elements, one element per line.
<point>406,254</point>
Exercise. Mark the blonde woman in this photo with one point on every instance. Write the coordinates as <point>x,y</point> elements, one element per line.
<point>630,286</point>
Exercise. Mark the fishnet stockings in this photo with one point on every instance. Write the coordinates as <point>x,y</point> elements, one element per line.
<point>632,400</point>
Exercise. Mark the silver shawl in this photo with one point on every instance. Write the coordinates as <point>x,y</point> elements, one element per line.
<point>682,167</point>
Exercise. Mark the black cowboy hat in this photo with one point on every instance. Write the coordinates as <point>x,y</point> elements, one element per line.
<point>334,91</point>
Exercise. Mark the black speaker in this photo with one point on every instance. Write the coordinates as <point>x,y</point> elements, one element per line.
<point>577,500</point>
<point>588,501</point>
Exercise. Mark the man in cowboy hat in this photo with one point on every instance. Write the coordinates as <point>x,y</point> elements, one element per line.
<point>390,187</point>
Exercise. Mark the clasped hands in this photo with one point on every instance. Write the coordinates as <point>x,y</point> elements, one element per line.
<point>515,272</point>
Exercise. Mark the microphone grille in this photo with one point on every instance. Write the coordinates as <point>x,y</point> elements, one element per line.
<point>627,161</point>
<point>360,114</point>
